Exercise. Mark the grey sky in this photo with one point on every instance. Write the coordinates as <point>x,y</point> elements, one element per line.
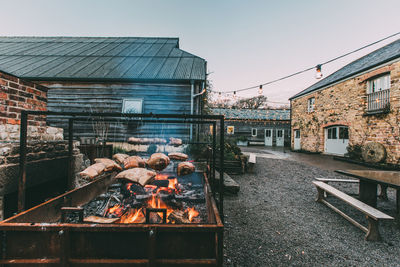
<point>245,42</point>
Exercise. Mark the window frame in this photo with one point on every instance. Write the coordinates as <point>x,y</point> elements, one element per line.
<point>125,105</point>
<point>384,81</point>
<point>311,104</point>
<point>252,134</point>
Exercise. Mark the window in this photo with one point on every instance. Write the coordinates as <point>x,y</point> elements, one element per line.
<point>133,105</point>
<point>379,84</point>
<point>230,129</point>
<point>279,133</point>
<point>253,132</point>
<point>378,93</point>
<point>332,133</point>
<point>268,133</point>
<point>311,104</point>
<point>297,134</point>
<point>343,133</point>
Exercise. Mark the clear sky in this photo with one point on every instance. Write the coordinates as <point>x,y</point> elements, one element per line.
<point>245,42</point>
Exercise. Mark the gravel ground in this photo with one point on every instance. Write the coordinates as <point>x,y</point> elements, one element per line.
<point>274,221</point>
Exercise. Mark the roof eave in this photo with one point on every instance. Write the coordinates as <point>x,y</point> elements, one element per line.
<point>109,80</point>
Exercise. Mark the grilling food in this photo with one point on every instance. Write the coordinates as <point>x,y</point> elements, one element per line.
<point>109,163</point>
<point>185,168</point>
<point>140,176</point>
<point>158,161</point>
<point>178,156</point>
<point>175,141</point>
<point>134,162</point>
<point>97,219</point>
<point>92,171</point>
<point>119,157</point>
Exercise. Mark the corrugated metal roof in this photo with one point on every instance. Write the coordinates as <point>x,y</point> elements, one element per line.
<point>253,114</point>
<point>373,59</point>
<point>99,58</point>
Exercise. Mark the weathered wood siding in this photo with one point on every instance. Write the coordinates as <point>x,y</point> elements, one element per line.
<point>243,128</point>
<point>108,97</point>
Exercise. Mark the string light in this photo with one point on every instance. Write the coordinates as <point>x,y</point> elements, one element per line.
<point>234,95</point>
<point>260,90</point>
<point>318,73</point>
<point>311,68</point>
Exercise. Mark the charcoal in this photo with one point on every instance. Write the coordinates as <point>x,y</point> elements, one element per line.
<point>160,183</point>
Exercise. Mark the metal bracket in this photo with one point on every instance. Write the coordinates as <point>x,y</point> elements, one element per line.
<point>150,210</point>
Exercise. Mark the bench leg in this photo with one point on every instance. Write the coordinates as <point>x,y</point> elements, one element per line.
<point>373,230</point>
<point>321,195</point>
<point>383,193</point>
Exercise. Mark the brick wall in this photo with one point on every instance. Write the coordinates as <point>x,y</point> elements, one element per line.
<point>16,95</point>
<point>346,104</point>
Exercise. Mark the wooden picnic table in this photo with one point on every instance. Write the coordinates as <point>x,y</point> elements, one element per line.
<point>369,181</point>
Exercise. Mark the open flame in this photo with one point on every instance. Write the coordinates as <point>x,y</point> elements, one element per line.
<point>192,213</point>
<point>133,215</point>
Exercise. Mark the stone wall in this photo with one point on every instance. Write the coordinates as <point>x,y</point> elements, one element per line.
<point>346,104</point>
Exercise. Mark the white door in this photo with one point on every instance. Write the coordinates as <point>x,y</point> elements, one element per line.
<point>297,145</point>
<point>336,140</point>
<point>268,137</point>
<point>280,137</point>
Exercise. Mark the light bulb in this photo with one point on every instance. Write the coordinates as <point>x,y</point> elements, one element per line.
<point>318,73</point>
<point>260,90</point>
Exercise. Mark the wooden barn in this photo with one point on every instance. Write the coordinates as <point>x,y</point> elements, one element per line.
<point>268,127</point>
<point>111,74</point>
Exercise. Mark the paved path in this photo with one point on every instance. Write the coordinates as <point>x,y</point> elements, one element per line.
<point>325,162</point>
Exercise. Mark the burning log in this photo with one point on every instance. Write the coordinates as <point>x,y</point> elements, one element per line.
<point>97,219</point>
<point>134,162</point>
<point>178,156</point>
<point>119,157</point>
<point>179,217</point>
<point>158,161</point>
<point>137,175</point>
<point>175,141</point>
<point>92,171</point>
<point>185,168</point>
<point>160,183</point>
<point>110,164</point>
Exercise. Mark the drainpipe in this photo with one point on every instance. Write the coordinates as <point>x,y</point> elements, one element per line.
<point>192,97</point>
<point>191,106</point>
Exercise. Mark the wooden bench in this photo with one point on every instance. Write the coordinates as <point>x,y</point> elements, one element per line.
<point>327,180</point>
<point>252,162</point>
<point>373,215</point>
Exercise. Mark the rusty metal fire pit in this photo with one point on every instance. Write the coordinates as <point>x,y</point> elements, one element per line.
<point>42,235</point>
<point>36,236</point>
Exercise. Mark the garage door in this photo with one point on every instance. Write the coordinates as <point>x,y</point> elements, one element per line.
<point>336,140</point>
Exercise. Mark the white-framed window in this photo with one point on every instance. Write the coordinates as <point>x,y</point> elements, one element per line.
<point>230,129</point>
<point>378,84</point>
<point>253,132</point>
<point>310,104</point>
<point>378,93</point>
<point>132,105</point>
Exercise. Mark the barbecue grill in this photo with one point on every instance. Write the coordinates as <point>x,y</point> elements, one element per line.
<point>44,235</point>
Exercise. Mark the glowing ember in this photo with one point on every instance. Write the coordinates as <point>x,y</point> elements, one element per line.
<point>138,215</point>
<point>192,213</point>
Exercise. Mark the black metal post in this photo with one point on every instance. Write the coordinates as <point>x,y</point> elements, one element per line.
<point>71,173</point>
<point>22,161</point>
<point>221,167</point>
<point>214,155</point>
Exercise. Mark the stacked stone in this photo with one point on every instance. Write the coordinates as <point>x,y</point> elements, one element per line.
<point>36,150</point>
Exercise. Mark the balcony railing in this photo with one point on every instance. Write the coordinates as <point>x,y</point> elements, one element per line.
<point>378,101</point>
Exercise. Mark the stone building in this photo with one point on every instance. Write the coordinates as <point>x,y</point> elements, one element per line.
<point>354,107</point>
<point>268,127</point>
